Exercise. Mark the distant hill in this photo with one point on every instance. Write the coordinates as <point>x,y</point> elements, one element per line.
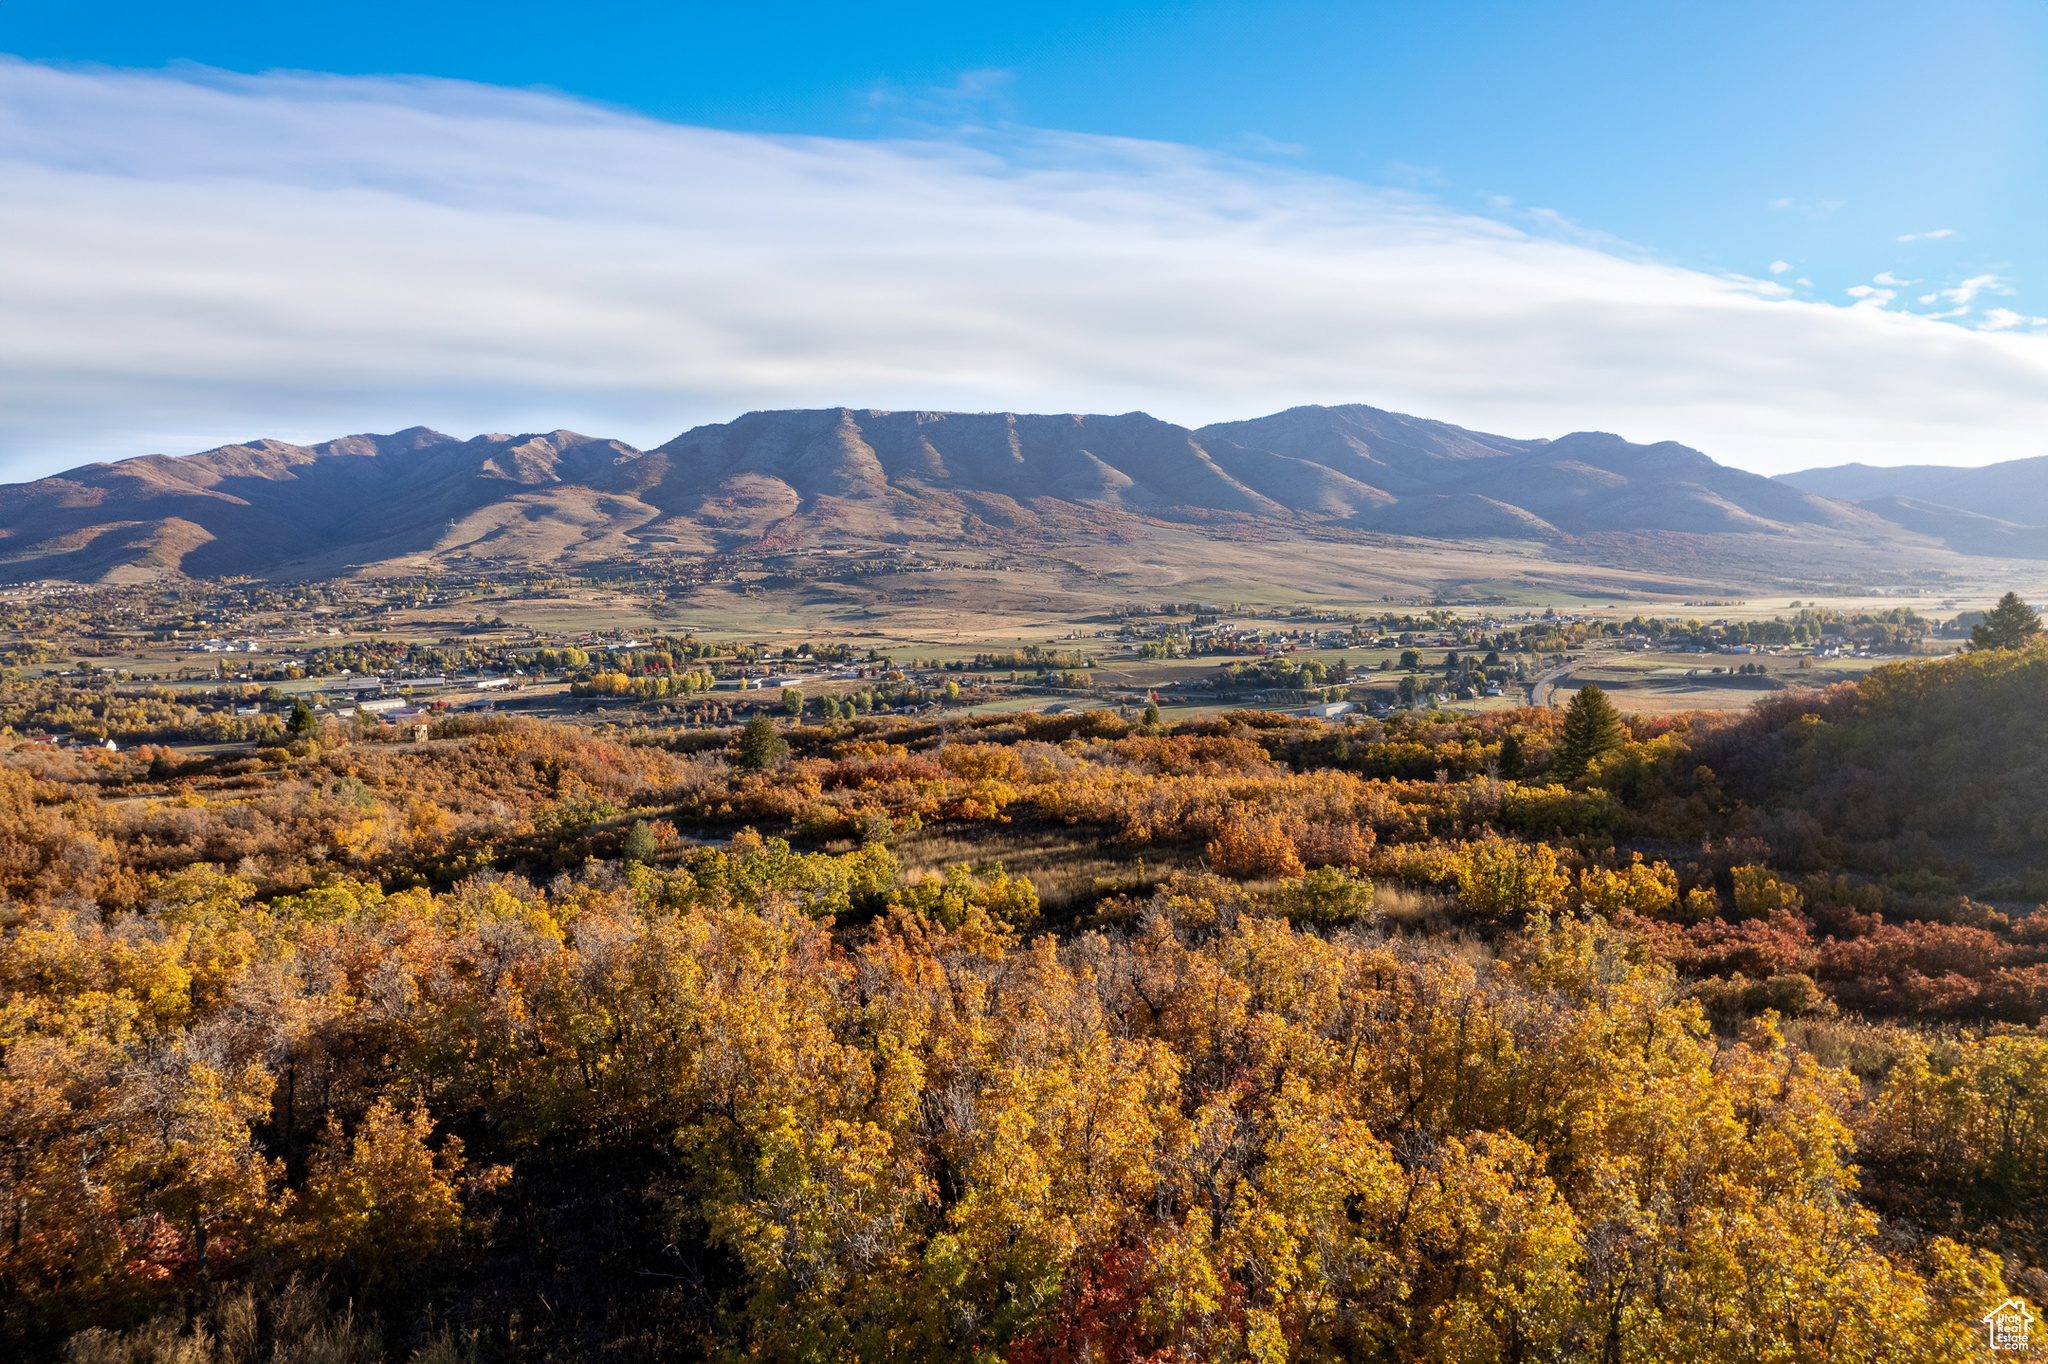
<point>2014,491</point>
<point>286,510</point>
<point>1997,509</point>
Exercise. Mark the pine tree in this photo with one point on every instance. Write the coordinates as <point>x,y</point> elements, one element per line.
<point>302,719</point>
<point>641,845</point>
<point>1592,726</point>
<point>760,747</point>
<point>2008,625</point>
<point>1510,761</point>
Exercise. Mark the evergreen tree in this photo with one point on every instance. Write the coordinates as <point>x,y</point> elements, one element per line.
<point>1510,761</point>
<point>1592,726</point>
<point>641,845</point>
<point>760,747</point>
<point>2008,625</point>
<point>302,721</point>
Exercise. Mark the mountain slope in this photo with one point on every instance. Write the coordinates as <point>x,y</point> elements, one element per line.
<point>1998,509</point>
<point>417,495</point>
<point>2015,491</point>
<point>267,505</point>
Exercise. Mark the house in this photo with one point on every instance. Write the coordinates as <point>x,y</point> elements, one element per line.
<point>1333,708</point>
<point>2009,1326</point>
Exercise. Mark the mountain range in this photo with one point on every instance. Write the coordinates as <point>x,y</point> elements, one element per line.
<point>1998,509</point>
<point>804,476</point>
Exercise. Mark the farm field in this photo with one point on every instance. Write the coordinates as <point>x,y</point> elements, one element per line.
<point>1658,683</point>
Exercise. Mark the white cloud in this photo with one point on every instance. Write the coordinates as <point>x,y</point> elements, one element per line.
<point>1975,285</point>
<point>1933,236</point>
<point>198,257</point>
<point>1885,277</point>
<point>1779,267</point>
<point>2003,319</point>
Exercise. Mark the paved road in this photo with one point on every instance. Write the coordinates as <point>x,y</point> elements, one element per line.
<point>1539,694</point>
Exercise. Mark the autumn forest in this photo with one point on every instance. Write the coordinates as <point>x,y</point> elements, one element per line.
<point>1525,1035</point>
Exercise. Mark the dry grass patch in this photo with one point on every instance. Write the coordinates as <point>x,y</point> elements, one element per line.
<point>1071,867</point>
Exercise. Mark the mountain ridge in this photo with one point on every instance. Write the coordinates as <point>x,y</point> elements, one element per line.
<point>268,507</point>
<point>1992,509</point>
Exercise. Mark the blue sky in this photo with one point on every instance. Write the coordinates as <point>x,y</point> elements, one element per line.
<point>1866,158</point>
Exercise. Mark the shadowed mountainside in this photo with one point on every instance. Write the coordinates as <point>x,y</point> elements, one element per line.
<point>1998,509</point>
<point>286,510</point>
<point>2015,491</point>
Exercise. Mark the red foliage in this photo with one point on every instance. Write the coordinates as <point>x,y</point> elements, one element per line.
<point>1781,945</point>
<point>1100,1317</point>
<point>2017,994</point>
<point>856,773</point>
<point>1891,950</point>
<point>1191,756</point>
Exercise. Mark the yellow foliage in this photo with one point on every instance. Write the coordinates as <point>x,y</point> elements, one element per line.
<point>1498,878</point>
<point>1251,844</point>
<point>1645,890</point>
<point>1758,894</point>
<point>381,1198</point>
<point>982,762</point>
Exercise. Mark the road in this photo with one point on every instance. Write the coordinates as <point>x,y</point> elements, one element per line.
<point>1539,692</point>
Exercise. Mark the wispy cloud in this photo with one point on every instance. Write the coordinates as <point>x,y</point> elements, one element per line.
<point>2002,319</point>
<point>978,96</point>
<point>197,257</point>
<point>1414,177</point>
<point>1933,236</point>
<point>1258,144</point>
<point>1807,208</point>
<point>1975,285</point>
